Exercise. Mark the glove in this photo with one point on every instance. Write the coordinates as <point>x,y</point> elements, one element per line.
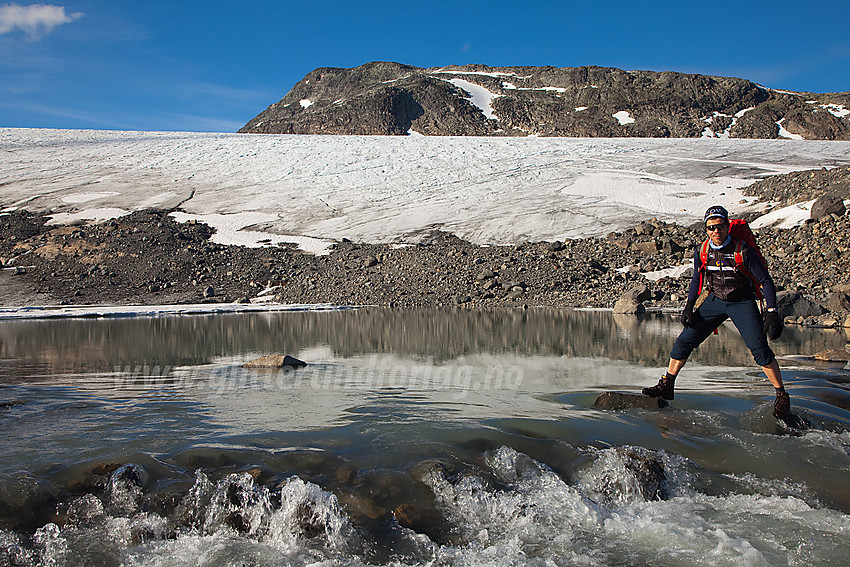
<point>772,325</point>
<point>688,315</point>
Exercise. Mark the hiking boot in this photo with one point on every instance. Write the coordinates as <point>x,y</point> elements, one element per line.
<point>664,388</point>
<point>782,405</point>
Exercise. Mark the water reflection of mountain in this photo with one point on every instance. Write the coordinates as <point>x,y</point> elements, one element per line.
<point>439,333</point>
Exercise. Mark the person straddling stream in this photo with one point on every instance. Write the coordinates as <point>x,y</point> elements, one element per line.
<point>731,294</point>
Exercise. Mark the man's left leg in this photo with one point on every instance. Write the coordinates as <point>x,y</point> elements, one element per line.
<point>747,318</point>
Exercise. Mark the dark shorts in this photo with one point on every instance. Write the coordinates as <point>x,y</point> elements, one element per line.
<point>744,314</point>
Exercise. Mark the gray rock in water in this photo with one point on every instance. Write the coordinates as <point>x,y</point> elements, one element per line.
<point>790,304</point>
<point>833,355</point>
<point>626,474</point>
<point>827,205</point>
<point>129,474</point>
<point>628,306</point>
<point>622,401</point>
<point>648,471</point>
<point>275,361</point>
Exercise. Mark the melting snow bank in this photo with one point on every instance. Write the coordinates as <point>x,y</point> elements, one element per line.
<point>786,217</point>
<point>103,311</point>
<point>234,229</point>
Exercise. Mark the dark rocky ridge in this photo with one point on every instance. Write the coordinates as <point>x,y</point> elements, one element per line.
<point>801,186</point>
<point>148,258</point>
<point>391,99</point>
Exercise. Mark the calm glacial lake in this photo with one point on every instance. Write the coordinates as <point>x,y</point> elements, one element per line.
<point>427,437</point>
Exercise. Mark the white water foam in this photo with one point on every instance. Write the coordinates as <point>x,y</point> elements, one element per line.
<point>511,511</point>
<point>541,516</point>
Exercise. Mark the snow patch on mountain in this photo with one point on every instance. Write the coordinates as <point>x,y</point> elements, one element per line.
<point>479,96</point>
<point>623,117</point>
<point>785,133</point>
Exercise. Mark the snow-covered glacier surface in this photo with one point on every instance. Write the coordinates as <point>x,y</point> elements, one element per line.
<point>311,189</point>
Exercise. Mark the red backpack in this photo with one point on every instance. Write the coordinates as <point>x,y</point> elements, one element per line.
<point>740,230</point>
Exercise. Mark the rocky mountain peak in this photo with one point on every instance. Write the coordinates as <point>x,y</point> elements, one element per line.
<point>387,98</point>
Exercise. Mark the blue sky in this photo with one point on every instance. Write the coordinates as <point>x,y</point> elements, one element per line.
<point>212,65</point>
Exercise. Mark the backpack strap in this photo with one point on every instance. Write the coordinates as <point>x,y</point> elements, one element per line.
<point>741,267</point>
<point>703,258</point>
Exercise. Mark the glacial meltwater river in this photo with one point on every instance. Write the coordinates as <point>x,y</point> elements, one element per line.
<point>427,437</point>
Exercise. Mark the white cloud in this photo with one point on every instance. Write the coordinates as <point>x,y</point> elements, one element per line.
<point>35,20</point>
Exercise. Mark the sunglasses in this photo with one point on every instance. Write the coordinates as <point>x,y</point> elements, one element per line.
<point>713,227</point>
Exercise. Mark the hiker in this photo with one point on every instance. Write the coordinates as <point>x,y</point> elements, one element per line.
<point>734,275</point>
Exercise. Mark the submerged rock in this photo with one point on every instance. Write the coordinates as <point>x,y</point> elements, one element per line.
<point>648,471</point>
<point>275,361</point>
<point>626,474</point>
<point>129,474</point>
<point>834,355</point>
<point>621,401</point>
<point>421,519</point>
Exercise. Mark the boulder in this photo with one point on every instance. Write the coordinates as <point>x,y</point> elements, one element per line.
<point>628,306</point>
<point>670,246</point>
<point>791,304</point>
<point>838,302</point>
<point>639,293</point>
<point>275,361</point>
<point>827,205</point>
<point>648,247</point>
<point>622,401</point>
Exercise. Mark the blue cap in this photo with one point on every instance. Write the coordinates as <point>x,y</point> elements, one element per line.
<point>716,212</point>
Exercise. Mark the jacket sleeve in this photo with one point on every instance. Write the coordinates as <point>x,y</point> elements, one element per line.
<point>693,290</point>
<point>753,262</point>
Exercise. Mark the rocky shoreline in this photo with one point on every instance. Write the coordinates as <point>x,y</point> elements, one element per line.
<point>149,258</point>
